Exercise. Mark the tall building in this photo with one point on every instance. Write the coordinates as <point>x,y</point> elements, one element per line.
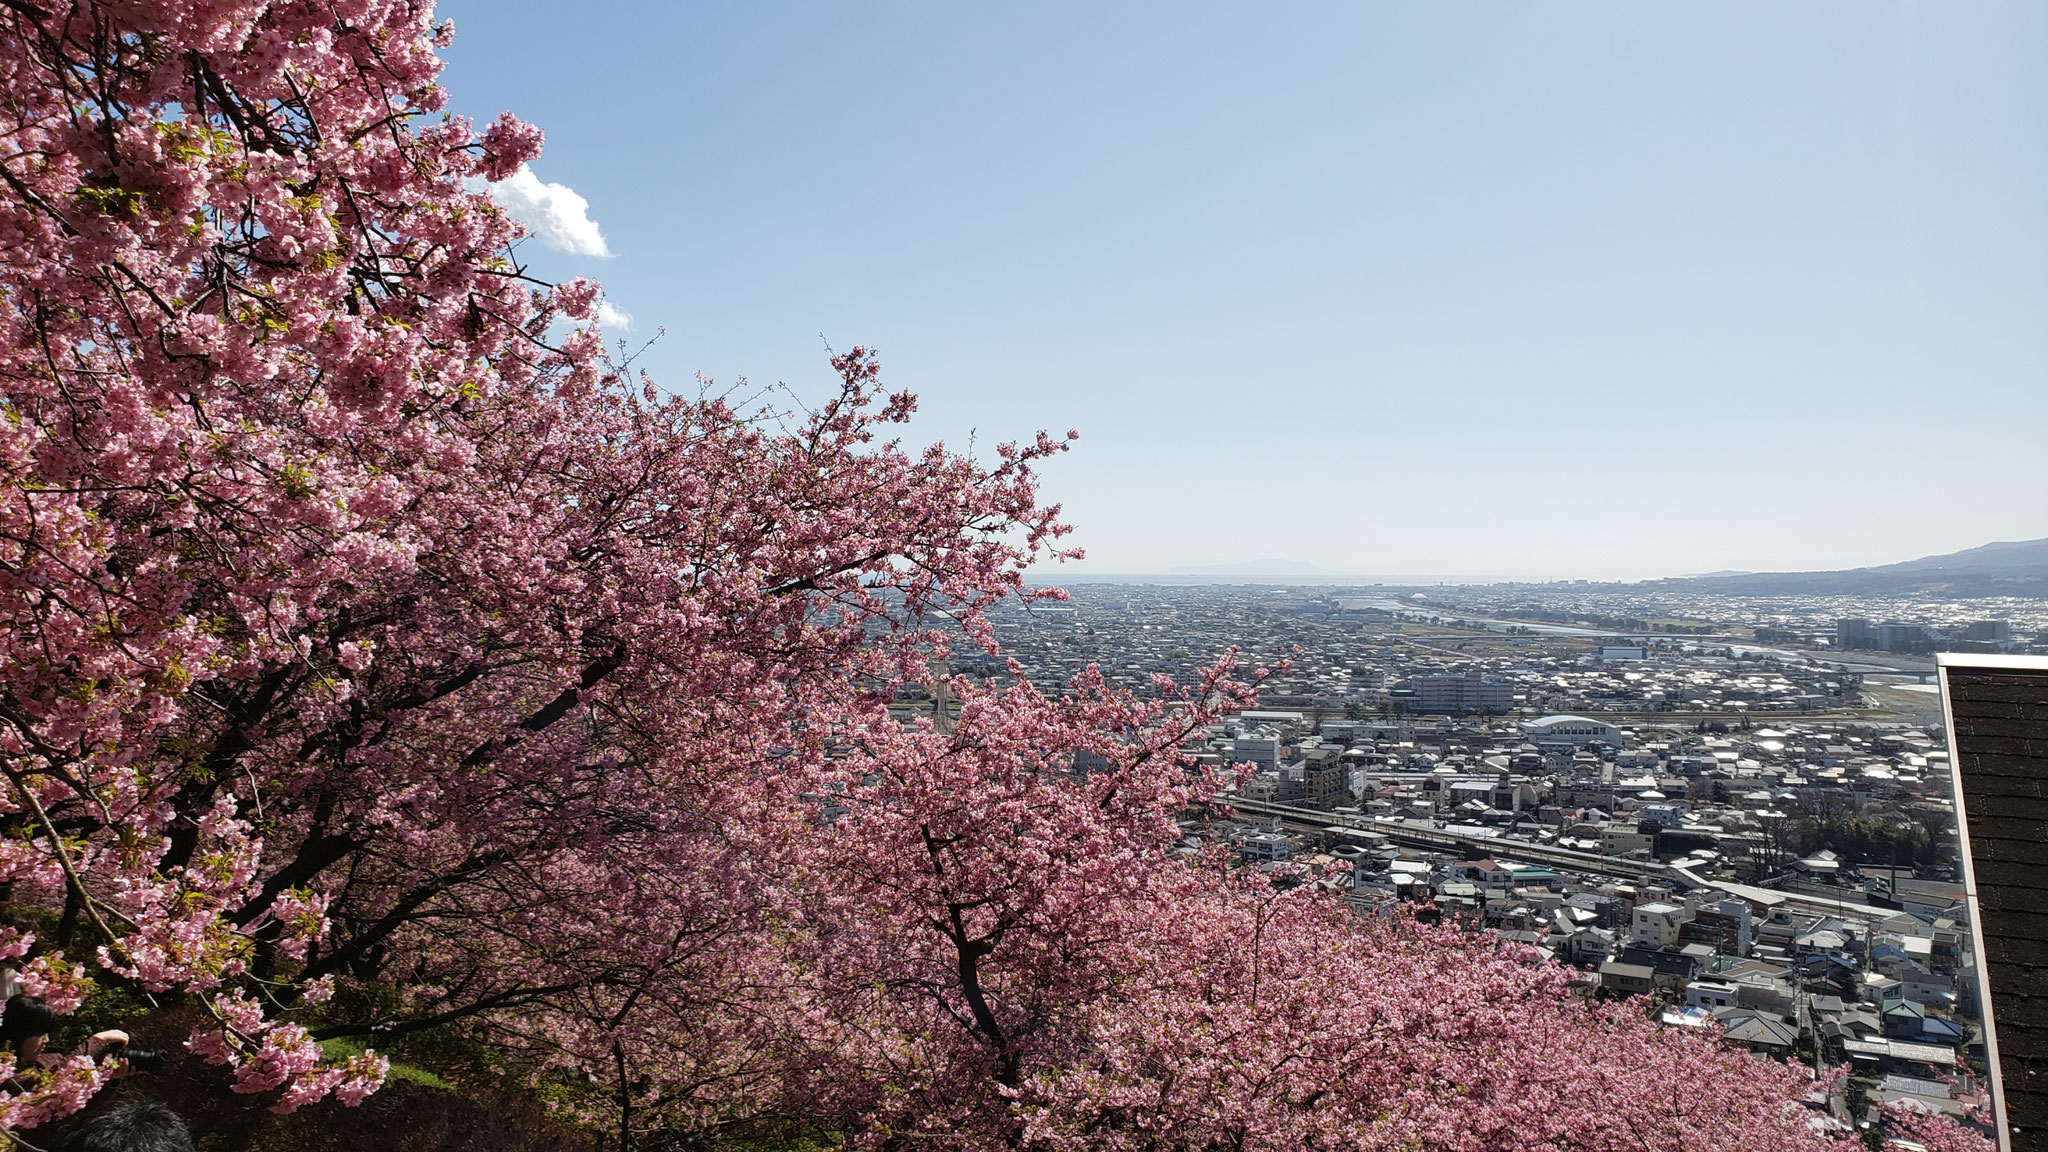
<point>1990,631</point>
<point>1455,695</point>
<point>1896,637</point>
<point>1855,632</point>
<point>1325,778</point>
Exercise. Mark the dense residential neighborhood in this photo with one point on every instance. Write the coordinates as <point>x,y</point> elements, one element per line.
<point>1758,833</point>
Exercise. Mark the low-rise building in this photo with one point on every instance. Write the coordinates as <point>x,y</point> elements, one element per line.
<point>1656,925</point>
<point>1627,979</point>
<point>1573,730</point>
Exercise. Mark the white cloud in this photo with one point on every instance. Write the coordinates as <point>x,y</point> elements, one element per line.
<point>613,317</point>
<point>557,215</point>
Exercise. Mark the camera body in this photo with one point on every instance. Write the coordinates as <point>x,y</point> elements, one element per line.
<point>116,1046</point>
<point>147,1060</point>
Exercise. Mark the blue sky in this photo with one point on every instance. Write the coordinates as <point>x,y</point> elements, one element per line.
<point>1479,290</point>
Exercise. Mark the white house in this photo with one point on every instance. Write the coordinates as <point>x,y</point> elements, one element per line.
<point>1264,846</point>
<point>1656,924</point>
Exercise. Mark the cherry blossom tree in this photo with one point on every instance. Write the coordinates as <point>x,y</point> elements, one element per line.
<point>1920,1127</point>
<point>362,622</point>
<point>999,945</point>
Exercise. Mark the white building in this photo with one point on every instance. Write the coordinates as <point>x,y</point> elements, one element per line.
<point>1570,729</point>
<point>1261,748</point>
<point>1264,846</point>
<point>1656,925</point>
<point>1663,815</point>
<point>1710,993</point>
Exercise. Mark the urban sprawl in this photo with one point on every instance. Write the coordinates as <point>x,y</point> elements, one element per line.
<point>1739,807</point>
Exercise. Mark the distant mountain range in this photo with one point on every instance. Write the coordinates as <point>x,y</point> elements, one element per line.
<point>2010,568</point>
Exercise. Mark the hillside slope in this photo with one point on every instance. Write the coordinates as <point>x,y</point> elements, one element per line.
<point>2007,568</point>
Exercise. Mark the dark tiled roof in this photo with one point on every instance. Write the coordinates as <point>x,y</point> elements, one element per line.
<point>2001,745</point>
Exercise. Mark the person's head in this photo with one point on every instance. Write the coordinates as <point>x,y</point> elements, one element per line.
<point>25,1025</point>
<point>129,1125</point>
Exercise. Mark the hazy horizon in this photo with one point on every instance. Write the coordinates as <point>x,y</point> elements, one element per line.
<point>1279,570</point>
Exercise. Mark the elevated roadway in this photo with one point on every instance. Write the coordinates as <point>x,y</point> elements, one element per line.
<point>1444,840</point>
<point>1496,847</point>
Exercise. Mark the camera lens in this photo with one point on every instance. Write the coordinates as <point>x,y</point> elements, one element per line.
<point>144,1059</point>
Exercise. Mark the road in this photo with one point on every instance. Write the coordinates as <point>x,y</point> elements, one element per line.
<point>1440,840</point>
<point>1494,847</point>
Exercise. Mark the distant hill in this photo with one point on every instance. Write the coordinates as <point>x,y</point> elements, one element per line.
<point>2009,568</point>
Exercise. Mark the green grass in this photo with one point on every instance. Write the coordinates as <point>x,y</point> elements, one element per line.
<point>343,1049</point>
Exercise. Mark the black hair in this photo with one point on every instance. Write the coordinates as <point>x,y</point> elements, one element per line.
<point>25,1016</point>
<point>129,1124</point>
